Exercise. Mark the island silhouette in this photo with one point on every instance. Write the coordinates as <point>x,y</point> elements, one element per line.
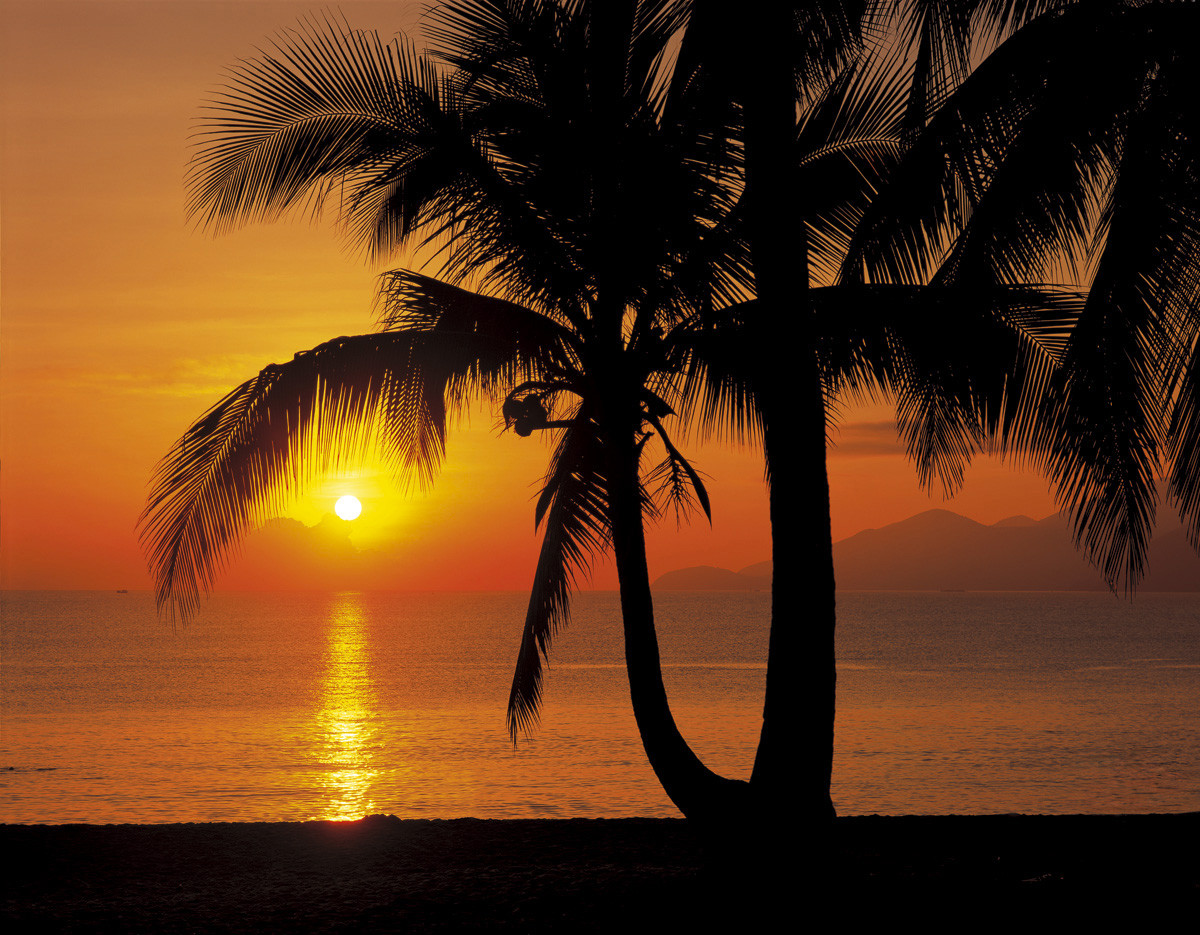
<point>939,550</point>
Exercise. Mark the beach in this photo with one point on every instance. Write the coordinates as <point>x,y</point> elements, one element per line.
<point>383,874</point>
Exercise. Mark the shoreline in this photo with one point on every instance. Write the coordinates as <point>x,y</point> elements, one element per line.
<point>384,874</point>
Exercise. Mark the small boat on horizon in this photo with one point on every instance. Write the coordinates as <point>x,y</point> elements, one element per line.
<point>122,590</point>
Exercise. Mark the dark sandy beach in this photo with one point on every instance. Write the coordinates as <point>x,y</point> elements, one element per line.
<point>382,874</point>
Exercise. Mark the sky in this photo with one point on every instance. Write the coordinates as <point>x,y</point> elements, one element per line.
<point>121,323</point>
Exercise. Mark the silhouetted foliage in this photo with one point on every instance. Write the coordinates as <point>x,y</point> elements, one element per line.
<point>644,207</point>
<point>579,224</point>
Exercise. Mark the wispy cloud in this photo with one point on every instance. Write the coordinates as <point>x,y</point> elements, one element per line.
<point>865,440</point>
<point>206,379</point>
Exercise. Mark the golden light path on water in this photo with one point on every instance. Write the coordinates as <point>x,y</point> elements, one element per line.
<point>346,720</point>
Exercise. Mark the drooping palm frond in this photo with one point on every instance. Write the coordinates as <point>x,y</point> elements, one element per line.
<point>1102,436</point>
<point>1127,363</point>
<point>1107,423</point>
<point>411,301</point>
<point>719,362</point>
<point>1073,144</point>
<point>1184,447</point>
<point>947,408</point>
<point>1169,138</point>
<point>574,509</point>
<point>236,465</point>
<point>905,343</point>
<point>676,480</point>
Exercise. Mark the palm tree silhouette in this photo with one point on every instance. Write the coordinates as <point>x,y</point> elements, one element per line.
<point>610,222</point>
<point>601,195</point>
<point>1094,389</point>
<point>538,149</point>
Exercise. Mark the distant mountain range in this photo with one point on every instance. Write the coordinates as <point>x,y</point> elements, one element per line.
<point>942,551</point>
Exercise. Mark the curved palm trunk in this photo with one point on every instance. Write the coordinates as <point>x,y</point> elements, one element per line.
<point>700,794</point>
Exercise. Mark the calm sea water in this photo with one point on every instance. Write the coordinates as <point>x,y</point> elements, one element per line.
<point>300,706</point>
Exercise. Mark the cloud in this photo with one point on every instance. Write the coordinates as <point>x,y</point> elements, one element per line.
<point>865,440</point>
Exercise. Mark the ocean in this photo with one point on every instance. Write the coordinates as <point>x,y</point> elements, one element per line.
<point>282,707</point>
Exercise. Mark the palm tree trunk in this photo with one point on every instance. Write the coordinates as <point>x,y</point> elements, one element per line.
<point>792,768</point>
<point>700,794</point>
<point>794,763</point>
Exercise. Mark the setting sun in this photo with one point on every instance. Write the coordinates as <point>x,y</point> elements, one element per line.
<point>348,507</point>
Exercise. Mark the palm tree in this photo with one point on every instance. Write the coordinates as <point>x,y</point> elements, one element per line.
<point>546,148</point>
<point>595,194</point>
<point>581,222</point>
<point>1005,168</point>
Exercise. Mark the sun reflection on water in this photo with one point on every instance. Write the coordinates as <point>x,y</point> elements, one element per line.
<point>347,719</point>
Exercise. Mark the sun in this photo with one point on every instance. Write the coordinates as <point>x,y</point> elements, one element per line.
<point>348,507</point>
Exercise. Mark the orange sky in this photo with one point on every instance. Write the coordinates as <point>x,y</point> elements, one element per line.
<point>121,324</point>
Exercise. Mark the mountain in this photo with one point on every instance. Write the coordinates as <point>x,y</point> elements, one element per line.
<point>940,551</point>
<point>1021,520</point>
<point>710,578</point>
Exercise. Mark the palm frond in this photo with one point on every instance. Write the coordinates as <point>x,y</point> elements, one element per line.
<point>236,466</point>
<point>1168,143</point>
<point>1017,154</point>
<point>1184,447</point>
<point>848,143</point>
<point>412,301</point>
<point>939,32</point>
<point>864,102</point>
<point>1103,437</point>
<point>1108,427</point>
<point>996,20</point>
<point>676,480</point>
<point>574,507</point>
<point>907,230</point>
<point>316,114</point>
<point>826,36</point>
<point>1129,361</point>
<point>657,26</point>
<point>719,364</point>
<point>905,342</point>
